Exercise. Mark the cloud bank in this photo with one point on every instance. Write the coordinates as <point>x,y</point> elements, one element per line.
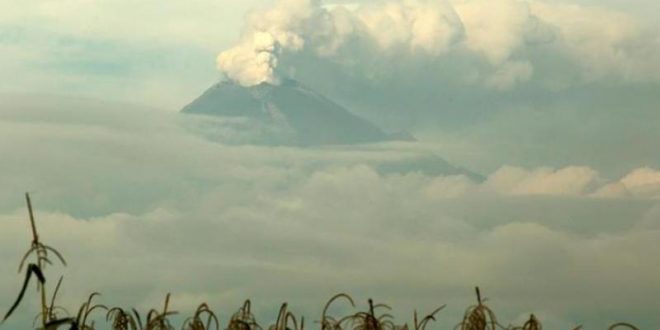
<point>141,205</point>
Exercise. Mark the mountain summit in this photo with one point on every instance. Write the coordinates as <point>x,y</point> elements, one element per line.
<point>306,116</point>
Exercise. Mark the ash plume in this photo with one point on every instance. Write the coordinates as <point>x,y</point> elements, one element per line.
<point>495,44</point>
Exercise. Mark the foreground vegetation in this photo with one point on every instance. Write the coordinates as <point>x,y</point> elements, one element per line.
<point>52,316</point>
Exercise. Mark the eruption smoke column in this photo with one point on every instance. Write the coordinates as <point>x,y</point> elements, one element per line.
<point>268,33</point>
<point>252,62</point>
<point>493,40</point>
<point>431,27</point>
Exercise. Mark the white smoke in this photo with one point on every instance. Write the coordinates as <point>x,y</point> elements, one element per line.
<point>497,38</point>
<point>268,33</point>
<point>291,25</point>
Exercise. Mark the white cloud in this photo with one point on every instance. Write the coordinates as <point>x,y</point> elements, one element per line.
<point>495,28</point>
<point>502,40</point>
<point>615,189</point>
<point>641,182</point>
<point>450,186</point>
<point>510,74</point>
<point>572,180</point>
<point>641,177</point>
<point>603,42</point>
<point>332,231</point>
<point>432,27</point>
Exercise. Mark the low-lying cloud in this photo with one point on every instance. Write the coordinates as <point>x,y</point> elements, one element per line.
<point>141,205</point>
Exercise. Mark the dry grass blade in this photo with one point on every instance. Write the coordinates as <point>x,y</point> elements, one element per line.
<point>52,299</point>
<point>280,323</point>
<point>623,325</point>
<point>531,324</point>
<point>369,320</point>
<point>56,253</point>
<point>53,319</point>
<point>55,324</point>
<point>196,323</point>
<point>292,318</point>
<point>243,319</point>
<point>328,322</point>
<point>32,269</point>
<point>36,245</point>
<point>138,319</point>
<point>86,309</point>
<point>160,321</point>
<point>120,319</point>
<point>25,256</point>
<point>479,316</point>
<point>421,325</point>
<point>41,251</point>
<point>284,318</point>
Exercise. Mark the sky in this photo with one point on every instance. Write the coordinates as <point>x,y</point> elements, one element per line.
<point>552,105</point>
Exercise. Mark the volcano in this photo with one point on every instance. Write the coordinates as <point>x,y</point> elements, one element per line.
<point>307,117</point>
